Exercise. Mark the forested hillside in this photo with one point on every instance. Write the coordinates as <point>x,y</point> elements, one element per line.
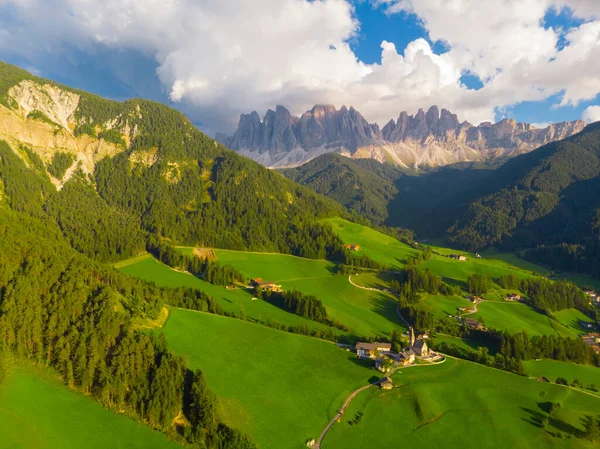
<point>364,186</point>
<point>548,197</point>
<point>59,309</point>
<point>160,176</point>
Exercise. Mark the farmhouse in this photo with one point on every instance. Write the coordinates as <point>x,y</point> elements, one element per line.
<point>474,324</point>
<point>352,247</point>
<point>407,357</point>
<point>592,294</point>
<point>370,350</point>
<point>258,282</point>
<point>460,257</point>
<point>270,286</point>
<point>512,297</point>
<point>386,384</point>
<point>475,299</point>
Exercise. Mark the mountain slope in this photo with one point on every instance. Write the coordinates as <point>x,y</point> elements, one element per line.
<point>546,197</point>
<point>147,166</point>
<point>365,187</point>
<point>431,138</point>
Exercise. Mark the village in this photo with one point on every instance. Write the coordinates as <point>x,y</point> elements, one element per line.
<point>387,361</point>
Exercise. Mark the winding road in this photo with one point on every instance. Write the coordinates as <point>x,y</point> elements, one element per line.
<point>340,413</point>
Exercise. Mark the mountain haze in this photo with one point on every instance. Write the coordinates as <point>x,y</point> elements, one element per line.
<point>432,138</point>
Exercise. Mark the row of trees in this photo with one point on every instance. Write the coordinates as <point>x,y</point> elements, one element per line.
<point>206,269</point>
<point>547,296</point>
<point>479,284</point>
<point>411,282</point>
<point>298,303</point>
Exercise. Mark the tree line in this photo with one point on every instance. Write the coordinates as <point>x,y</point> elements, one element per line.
<point>547,296</point>
<point>301,304</point>
<point>59,309</point>
<point>209,270</point>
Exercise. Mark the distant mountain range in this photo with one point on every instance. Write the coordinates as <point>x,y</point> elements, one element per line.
<point>432,138</point>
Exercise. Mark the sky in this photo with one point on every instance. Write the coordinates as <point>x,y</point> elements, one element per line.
<point>536,61</point>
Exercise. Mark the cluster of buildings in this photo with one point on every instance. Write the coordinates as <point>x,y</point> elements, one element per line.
<point>382,352</point>
<point>593,340</point>
<point>271,286</point>
<point>352,247</point>
<point>594,297</point>
<point>460,257</point>
<point>512,297</point>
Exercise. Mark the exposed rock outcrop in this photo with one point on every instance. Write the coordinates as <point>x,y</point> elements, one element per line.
<point>430,138</point>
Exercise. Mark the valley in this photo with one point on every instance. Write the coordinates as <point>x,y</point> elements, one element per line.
<point>159,290</point>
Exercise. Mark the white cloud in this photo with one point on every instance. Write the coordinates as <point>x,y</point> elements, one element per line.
<point>225,57</point>
<point>591,114</point>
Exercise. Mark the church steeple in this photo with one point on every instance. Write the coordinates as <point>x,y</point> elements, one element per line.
<point>412,336</point>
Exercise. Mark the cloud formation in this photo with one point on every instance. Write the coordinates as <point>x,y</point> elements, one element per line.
<point>591,114</point>
<point>226,57</point>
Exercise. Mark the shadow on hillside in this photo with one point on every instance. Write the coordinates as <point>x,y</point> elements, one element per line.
<point>537,418</point>
<point>386,307</point>
<point>364,363</point>
<point>463,285</point>
<point>402,262</point>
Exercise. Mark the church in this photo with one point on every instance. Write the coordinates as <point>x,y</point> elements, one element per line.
<point>419,346</point>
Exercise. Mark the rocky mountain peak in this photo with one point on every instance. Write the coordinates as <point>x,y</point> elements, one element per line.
<point>435,137</point>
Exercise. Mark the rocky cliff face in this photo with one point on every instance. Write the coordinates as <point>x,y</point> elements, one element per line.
<point>42,117</point>
<point>429,138</point>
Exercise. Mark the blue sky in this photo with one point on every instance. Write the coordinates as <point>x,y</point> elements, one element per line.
<point>162,56</point>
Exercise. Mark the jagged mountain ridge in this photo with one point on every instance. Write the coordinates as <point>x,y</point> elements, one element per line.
<point>432,138</point>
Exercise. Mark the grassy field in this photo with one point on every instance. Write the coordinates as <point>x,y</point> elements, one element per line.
<point>36,413</point>
<point>462,343</point>
<point>366,313</point>
<point>570,318</point>
<point>236,301</point>
<point>551,369</point>
<point>462,405</point>
<point>515,317</point>
<point>443,306</point>
<point>279,387</point>
<point>376,245</point>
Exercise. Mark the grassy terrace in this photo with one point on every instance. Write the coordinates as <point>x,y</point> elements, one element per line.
<point>279,387</point>
<point>515,317</point>
<point>551,369</point>
<point>36,413</point>
<point>364,312</point>
<point>236,301</point>
<point>463,405</point>
<point>374,244</point>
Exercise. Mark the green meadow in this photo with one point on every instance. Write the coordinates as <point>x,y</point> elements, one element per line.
<point>36,413</point>
<point>570,318</point>
<point>279,387</point>
<point>378,246</point>
<point>463,405</point>
<point>551,369</point>
<point>238,301</point>
<point>366,313</point>
<point>444,306</point>
<point>515,317</point>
